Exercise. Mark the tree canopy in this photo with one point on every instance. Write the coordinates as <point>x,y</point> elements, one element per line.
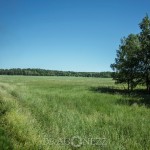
<point>43,72</point>
<point>132,62</point>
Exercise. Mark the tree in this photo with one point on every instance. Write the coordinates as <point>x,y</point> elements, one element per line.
<point>126,63</point>
<point>132,65</point>
<point>145,51</point>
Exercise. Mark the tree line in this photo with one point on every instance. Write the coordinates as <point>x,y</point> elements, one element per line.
<point>43,72</point>
<point>132,62</point>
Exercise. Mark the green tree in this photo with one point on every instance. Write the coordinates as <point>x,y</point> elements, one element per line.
<point>126,63</point>
<point>145,51</point>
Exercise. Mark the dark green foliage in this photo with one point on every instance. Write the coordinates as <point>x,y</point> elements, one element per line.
<point>42,72</point>
<point>145,51</point>
<point>127,59</point>
<point>132,65</point>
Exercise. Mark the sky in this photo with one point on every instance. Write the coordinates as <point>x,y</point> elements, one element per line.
<point>68,35</point>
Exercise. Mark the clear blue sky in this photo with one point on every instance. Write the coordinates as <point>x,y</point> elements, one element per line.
<point>75,35</point>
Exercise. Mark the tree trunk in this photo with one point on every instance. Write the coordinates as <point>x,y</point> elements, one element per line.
<point>131,87</point>
<point>148,88</point>
<point>147,84</point>
<point>128,86</point>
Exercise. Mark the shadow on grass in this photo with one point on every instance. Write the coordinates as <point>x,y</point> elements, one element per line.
<point>136,97</point>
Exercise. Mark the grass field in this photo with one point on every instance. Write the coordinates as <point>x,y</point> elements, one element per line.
<point>60,113</point>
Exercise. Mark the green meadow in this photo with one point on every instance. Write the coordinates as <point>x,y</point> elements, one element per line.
<point>69,113</point>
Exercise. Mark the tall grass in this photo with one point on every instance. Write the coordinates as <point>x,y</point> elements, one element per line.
<point>43,112</point>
